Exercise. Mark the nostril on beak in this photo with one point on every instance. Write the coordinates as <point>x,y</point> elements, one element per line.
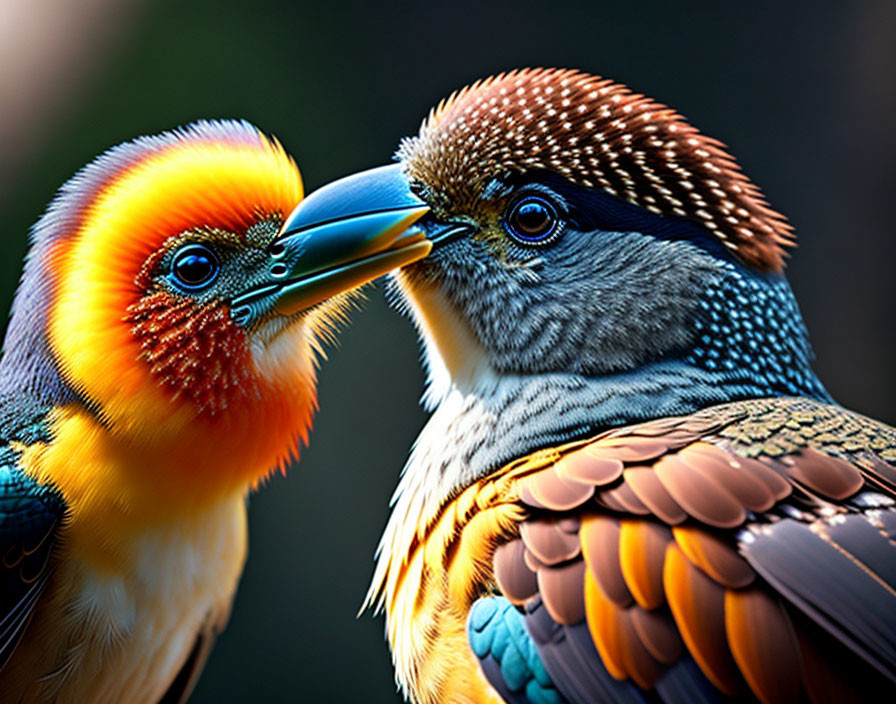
<point>277,250</point>
<point>279,270</point>
<point>241,315</point>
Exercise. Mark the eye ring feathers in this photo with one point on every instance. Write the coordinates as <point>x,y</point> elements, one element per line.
<point>532,221</point>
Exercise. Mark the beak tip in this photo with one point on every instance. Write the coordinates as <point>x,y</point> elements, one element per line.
<point>349,233</point>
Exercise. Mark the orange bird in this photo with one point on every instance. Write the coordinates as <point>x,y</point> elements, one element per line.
<point>159,363</point>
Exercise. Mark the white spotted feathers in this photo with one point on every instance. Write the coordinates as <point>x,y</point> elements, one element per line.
<point>595,133</point>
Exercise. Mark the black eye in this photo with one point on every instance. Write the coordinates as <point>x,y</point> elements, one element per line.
<point>194,267</point>
<point>532,220</point>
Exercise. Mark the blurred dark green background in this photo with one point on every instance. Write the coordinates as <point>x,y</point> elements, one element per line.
<point>803,92</point>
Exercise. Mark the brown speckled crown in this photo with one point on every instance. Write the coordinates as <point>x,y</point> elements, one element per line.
<point>599,134</point>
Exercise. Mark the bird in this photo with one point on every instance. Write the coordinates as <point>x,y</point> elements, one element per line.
<point>158,365</point>
<point>633,486</point>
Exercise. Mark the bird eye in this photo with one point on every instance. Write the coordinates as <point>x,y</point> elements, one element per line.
<point>532,220</point>
<point>194,267</point>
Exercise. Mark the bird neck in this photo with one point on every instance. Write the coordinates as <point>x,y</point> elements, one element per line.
<point>748,341</point>
<point>749,334</point>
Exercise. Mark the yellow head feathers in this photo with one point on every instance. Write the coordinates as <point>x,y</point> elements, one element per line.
<point>159,369</point>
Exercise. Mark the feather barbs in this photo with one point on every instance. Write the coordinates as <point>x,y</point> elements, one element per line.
<point>134,350</point>
<point>598,134</point>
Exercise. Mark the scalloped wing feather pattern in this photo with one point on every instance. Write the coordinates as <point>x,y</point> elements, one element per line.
<point>755,539</point>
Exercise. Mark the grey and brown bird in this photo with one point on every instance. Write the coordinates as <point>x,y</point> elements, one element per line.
<point>633,487</point>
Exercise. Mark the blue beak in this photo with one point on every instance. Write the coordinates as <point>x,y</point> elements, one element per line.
<point>342,236</point>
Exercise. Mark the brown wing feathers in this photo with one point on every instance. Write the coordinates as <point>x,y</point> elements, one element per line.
<point>646,485</point>
<point>638,533</point>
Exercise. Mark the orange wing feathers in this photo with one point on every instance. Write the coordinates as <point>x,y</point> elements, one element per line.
<point>656,503</point>
<point>640,534</point>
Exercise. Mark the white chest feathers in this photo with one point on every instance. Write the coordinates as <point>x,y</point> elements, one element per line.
<point>122,636</point>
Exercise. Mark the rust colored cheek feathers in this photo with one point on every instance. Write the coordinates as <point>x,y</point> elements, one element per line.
<point>193,351</point>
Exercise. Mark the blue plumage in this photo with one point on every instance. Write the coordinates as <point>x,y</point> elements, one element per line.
<point>30,514</point>
<point>499,639</point>
<point>750,331</point>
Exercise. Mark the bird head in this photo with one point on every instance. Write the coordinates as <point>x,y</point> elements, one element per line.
<point>583,229</point>
<point>160,296</point>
